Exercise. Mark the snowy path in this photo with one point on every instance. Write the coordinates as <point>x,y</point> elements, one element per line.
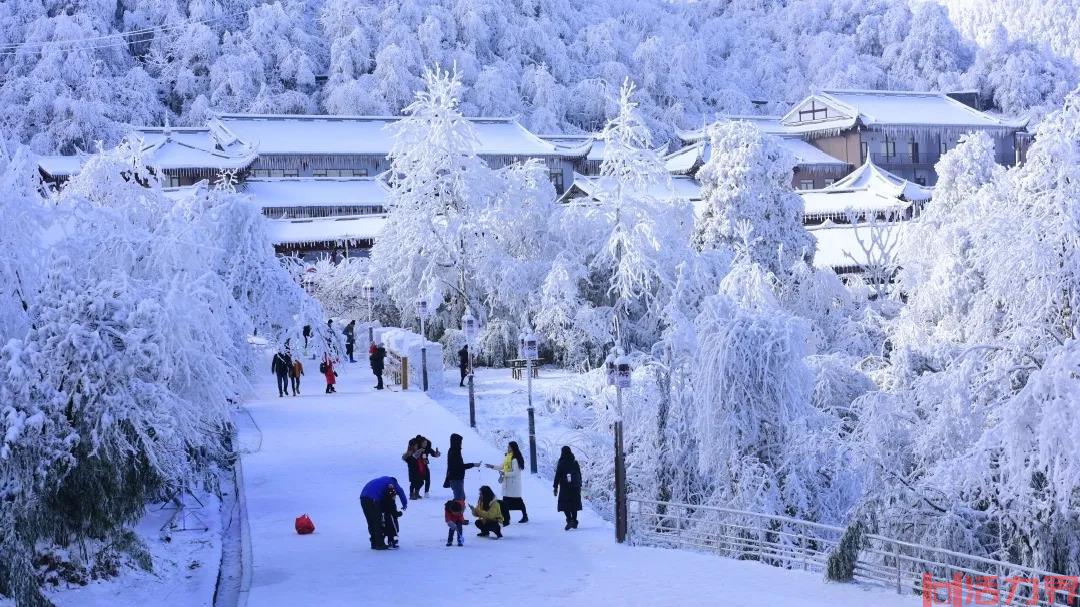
<point>317,451</point>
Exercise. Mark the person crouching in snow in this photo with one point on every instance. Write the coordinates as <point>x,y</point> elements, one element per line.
<point>454,513</point>
<point>373,499</point>
<point>327,368</point>
<point>488,514</point>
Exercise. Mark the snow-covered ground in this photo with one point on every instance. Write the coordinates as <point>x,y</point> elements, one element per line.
<point>312,454</point>
<point>185,566</point>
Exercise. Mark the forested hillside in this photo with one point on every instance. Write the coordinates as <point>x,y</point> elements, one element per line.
<point>554,63</point>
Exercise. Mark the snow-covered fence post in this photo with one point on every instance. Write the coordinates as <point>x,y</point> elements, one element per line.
<point>622,380</point>
<point>530,350</point>
<point>468,326</point>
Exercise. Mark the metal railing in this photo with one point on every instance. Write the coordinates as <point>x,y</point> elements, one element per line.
<point>797,544</point>
<point>906,159</point>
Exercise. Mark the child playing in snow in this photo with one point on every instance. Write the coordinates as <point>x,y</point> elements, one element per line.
<point>390,518</point>
<point>454,513</point>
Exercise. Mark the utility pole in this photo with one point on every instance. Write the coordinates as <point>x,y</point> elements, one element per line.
<point>468,326</point>
<point>530,350</point>
<point>618,375</point>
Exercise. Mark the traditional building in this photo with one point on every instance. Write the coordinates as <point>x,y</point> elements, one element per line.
<point>903,132</point>
<point>318,178</point>
<point>860,221</point>
<point>813,167</point>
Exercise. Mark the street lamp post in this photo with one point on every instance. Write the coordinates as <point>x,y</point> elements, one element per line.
<point>530,350</point>
<point>369,293</point>
<point>618,368</point>
<point>468,326</point>
<point>422,311</point>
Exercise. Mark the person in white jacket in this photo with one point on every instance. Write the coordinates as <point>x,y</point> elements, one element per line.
<point>510,478</point>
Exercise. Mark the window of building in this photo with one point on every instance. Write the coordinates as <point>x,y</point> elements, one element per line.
<point>829,181</point>
<point>815,111</point>
<point>260,172</point>
<point>806,184</point>
<point>943,147</point>
<point>890,149</point>
<point>920,177</point>
<point>864,151</point>
<point>290,173</point>
<point>913,149</point>
<point>319,173</point>
<point>556,176</point>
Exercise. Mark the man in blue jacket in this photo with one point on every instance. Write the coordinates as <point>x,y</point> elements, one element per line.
<point>377,500</point>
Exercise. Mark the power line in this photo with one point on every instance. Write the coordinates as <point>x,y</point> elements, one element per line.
<point>117,39</point>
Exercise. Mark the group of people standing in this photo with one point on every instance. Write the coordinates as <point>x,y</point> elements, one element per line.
<point>288,369</point>
<point>491,512</point>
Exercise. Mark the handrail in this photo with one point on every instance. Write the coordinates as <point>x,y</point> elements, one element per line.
<point>790,542</point>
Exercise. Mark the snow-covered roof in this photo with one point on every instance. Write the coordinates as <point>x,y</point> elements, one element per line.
<point>61,166</point>
<point>867,188</point>
<point>170,148</point>
<point>840,110</point>
<point>316,191</point>
<point>299,231</point>
<point>848,246</point>
<point>577,145</point>
<point>365,135</point>
<point>766,124</point>
<point>681,187</point>
<point>687,160</point>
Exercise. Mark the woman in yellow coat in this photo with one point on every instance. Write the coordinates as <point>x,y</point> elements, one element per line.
<point>488,514</point>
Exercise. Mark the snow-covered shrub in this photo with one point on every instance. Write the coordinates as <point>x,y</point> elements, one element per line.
<point>133,345</point>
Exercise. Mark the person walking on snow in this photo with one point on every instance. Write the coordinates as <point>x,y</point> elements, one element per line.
<point>488,514</point>
<point>463,364</point>
<point>567,487</point>
<point>280,367</point>
<point>378,361</point>
<point>327,368</point>
<point>510,477</point>
<point>456,467</point>
<point>373,499</point>
<point>295,372</point>
<point>350,339</point>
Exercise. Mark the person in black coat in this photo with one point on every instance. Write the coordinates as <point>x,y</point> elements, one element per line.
<point>281,366</point>
<point>567,487</point>
<point>378,363</point>
<point>463,364</point>
<point>350,339</point>
<point>456,467</point>
<point>412,462</point>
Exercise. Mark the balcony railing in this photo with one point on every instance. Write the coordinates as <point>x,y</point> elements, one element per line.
<point>920,159</point>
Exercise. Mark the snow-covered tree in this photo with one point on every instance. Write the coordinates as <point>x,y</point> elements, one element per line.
<point>749,203</point>
<point>972,440</point>
<point>643,226</point>
<point>438,188</point>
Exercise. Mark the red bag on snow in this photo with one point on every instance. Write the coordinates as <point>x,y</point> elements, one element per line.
<point>304,525</point>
